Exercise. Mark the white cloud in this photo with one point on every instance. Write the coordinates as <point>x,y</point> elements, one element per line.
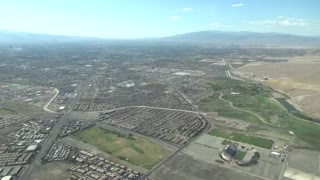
<point>215,24</point>
<point>237,5</point>
<point>186,9</point>
<point>174,17</point>
<point>281,21</point>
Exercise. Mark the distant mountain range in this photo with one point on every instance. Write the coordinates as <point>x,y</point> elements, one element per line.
<point>211,37</point>
<point>246,38</point>
<point>24,37</point>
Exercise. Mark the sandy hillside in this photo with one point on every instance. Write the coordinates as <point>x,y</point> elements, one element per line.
<point>299,78</point>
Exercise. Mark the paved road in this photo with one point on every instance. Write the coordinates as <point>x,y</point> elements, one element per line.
<point>196,111</point>
<point>284,167</point>
<point>45,107</point>
<point>150,107</point>
<point>184,146</point>
<point>231,76</point>
<point>52,136</point>
<point>228,71</point>
<point>228,63</point>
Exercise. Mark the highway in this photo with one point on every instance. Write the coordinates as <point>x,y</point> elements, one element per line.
<point>26,175</point>
<point>228,71</point>
<point>32,167</point>
<point>231,76</point>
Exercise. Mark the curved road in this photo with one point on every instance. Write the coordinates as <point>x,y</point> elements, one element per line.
<point>45,107</point>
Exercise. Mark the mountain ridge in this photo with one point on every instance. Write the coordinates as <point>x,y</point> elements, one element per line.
<point>246,38</point>
<point>208,37</point>
<point>26,37</point>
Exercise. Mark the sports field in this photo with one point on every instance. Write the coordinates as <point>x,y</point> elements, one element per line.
<point>136,150</point>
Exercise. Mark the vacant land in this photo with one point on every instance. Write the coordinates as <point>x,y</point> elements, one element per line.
<point>21,107</point>
<point>275,114</point>
<point>206,149</point>
<point>257,99</point>
<point>259,104</point>
<point>297,160</point>
<point>185,167</point>
<point>214,104</point>
<point>224,84</point>
<point>5,112</point>
<point>256,141</point>
<point>52,171</point>
<point>226,87</point>
<point>136,150</point>
<point>299,78</point>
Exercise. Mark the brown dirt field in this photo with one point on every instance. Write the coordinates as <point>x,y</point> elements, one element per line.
<point>23,108</point>
<point>299,78</point>
<point>52,171</point>
<point>89,116</point>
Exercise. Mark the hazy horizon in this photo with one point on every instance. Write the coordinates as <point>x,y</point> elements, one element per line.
<point>144,19</point>
<point>154,37</point>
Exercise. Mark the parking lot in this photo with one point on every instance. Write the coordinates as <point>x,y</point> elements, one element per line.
<point>306,161</point>
<point>186,167</point>
<point>206,148</point>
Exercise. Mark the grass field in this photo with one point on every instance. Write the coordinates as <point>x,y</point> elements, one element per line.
<point>256,141</point>
<point>137,150</point>
<point>256,98</point>
<point>275,114</point>
<point>224,84</point>
<point>259,104</point>
<point>5,111</point>
<point>213,104</point>
<point>239,155</point>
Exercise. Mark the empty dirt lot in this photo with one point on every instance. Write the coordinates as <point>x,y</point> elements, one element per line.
<point>52,171</point>
<point>299,78</point>
<point>305,160</point>
<point>184,167</point>
<point>206,149</point>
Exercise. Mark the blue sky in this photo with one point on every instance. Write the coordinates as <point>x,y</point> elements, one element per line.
<point>158,18</point>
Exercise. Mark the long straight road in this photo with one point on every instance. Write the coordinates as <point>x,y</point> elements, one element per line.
<point>149,107</point>
<point>26,175</point>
